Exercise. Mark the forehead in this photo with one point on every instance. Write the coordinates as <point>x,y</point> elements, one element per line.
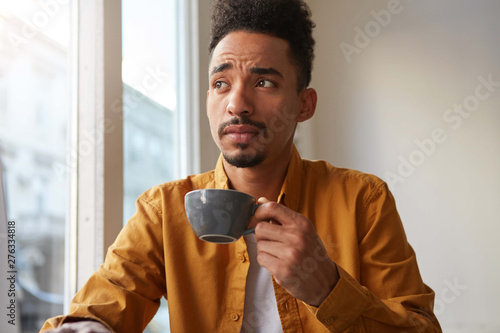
<point>252,49</point>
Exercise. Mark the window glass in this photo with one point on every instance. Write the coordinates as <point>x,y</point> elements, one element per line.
<point>149,96</point>
<point>34,118</point>
<point>149,72</point>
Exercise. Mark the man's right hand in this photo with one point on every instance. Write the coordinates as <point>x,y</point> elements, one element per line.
<point>81,327</point>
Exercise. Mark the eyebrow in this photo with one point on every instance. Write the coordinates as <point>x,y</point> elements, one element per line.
<point>268,71</point>
<point>221,68</point>
<point>253,70</point>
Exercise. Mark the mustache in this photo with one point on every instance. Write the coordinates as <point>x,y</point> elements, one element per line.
<point>244,120</point>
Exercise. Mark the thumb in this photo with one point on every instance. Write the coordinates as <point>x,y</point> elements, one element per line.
<point>260,201</point>
<point>263,200</point>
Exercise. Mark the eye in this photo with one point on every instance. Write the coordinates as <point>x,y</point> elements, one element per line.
<point>220,85</point>
<point>265,84</point>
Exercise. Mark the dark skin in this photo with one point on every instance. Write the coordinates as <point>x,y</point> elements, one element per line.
<point>252,75</point>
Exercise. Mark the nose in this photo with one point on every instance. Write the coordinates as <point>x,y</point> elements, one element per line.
<point>240,101</point>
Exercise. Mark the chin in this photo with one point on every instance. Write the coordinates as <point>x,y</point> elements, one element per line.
<point>245,158</point>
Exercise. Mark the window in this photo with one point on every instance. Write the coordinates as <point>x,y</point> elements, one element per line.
<point>58,87</point>
<point>34,110</point>
<point>150,109</point>
<point>155,108</point>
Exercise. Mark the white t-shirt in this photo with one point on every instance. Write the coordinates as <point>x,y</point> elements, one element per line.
<point>261,312</point>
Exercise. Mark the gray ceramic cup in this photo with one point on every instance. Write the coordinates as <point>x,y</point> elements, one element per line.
<point>218,215</point>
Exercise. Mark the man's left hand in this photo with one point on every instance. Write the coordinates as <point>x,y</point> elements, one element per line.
<point>291,250</point>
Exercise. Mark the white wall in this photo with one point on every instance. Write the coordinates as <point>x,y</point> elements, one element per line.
<point>397,88</point>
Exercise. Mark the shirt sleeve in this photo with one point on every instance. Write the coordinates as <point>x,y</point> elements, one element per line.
<point>390,296</point>
<point>124,294</point>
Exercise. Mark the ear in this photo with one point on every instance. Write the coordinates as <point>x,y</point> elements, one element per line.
<point>308,98</point>
<point>206,101</point>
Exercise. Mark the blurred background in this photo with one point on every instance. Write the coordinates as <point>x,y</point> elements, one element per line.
<point>408,91</point>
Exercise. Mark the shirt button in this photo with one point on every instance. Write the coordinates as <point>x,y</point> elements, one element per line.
<point>242,258</point>
<point>330,320</point>
<point>235,316</point>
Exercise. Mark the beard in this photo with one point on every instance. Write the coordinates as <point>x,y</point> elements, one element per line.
<point>246,156</point>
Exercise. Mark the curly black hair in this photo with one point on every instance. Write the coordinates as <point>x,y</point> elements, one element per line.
<point>286,19</point>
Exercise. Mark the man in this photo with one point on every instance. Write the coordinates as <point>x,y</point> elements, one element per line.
<point>329,252</point>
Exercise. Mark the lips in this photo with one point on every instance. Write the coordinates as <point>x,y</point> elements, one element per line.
<point>241,133</point>
<point>241,129</point>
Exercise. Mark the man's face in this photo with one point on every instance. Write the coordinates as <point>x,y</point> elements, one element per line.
<point>252,102</point>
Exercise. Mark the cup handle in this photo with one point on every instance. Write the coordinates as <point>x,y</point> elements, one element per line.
<point>255,208</point>
<point>251,230</point>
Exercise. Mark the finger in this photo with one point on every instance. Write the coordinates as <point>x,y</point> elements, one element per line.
<point>268,261</point>
<point>273,248</point>
<point>280,241</point>
<point>254,221</point>
<point>260,202</point>
<point>276,212</point>
<point>263,200</point>
<point>275,267</point>
<point>85,326</point>
<point>268,231</point>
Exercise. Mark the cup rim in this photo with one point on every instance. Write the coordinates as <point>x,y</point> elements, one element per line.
<point>228,238</point>
<point>219,189</point>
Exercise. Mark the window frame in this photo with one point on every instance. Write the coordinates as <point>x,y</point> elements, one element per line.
<point>96,180</point>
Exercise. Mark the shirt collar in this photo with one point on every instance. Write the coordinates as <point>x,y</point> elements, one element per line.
<point>290,190</point>
<point>220,177</point>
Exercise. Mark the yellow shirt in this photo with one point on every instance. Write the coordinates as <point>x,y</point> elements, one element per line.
<point>157,254</point>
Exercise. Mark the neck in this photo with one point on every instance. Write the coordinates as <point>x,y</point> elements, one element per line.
<point>264,180</point>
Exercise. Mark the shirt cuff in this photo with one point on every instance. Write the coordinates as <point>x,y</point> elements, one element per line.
<point>343,306</point>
